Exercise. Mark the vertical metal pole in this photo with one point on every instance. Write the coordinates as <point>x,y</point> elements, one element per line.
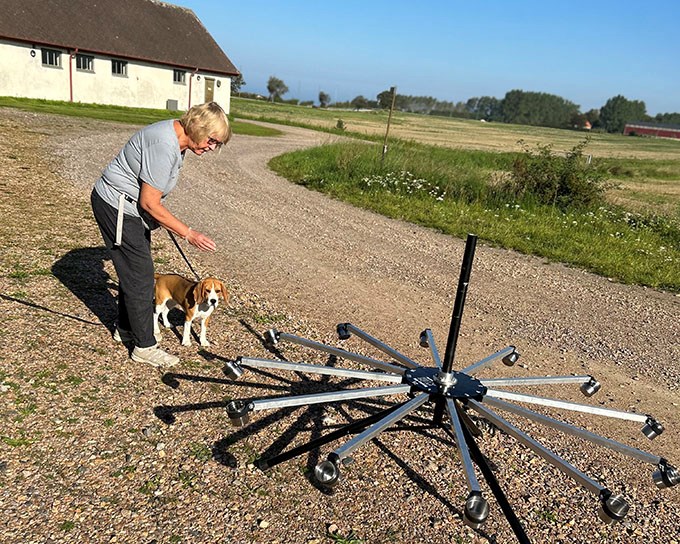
<point>393,90</point>
<point>463,282</point>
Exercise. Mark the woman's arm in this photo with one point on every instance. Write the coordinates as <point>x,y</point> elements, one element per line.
<point>150,202</point>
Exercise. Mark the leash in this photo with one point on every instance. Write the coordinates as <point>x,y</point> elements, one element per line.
<point>186,260</point>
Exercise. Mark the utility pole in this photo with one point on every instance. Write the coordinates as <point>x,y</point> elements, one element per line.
<point>393,90</point>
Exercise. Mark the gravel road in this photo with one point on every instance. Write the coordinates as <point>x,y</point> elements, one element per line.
<point>321,262</point>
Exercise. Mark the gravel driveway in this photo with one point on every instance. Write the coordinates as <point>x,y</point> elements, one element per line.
<point>310,262</point>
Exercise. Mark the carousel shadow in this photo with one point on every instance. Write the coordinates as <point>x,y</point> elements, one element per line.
<point>82,272</point>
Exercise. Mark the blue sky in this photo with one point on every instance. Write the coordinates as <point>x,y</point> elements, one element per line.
<point>583,51</point>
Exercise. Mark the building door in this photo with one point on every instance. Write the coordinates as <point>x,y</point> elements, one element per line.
<point>209,89</point>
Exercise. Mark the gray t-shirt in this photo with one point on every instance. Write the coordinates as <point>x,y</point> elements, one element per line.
<point>152,156</point>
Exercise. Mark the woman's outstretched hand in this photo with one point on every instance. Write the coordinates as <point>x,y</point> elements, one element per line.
<point>200,240</point>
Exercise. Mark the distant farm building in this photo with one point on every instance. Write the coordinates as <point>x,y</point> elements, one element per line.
<point>140,53</point>
<point>651,129</point>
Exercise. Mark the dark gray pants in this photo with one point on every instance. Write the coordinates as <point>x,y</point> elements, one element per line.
<point>134,266</point>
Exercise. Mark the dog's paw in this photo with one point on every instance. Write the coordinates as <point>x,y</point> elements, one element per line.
<point>205,343</point>
<point>186,342</point>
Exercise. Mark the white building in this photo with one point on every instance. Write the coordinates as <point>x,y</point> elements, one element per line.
<point>139,53</point>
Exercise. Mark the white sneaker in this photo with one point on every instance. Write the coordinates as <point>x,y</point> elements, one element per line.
<point>153,356</point>
<point>123,337</point>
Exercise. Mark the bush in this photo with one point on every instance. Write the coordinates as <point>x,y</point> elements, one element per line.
<point>565,182</point>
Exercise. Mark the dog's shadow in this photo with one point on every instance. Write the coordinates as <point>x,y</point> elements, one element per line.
<point>82,272</point>
<point>177,320</point>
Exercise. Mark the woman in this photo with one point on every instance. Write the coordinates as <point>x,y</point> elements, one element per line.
<point>127,202</point>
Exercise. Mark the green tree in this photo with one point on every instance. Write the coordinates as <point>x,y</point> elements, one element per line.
<point>277,88</point>
<point>385,99</point>
<point>619,110</point>
<point>324,99</point>
<point>360,102</point>
<point>668,118</point>
<point>540,109</point>
<point>236,83</point>
<point>488,108</point>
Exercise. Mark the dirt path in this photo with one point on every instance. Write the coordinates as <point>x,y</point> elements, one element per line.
<point>313,257</point>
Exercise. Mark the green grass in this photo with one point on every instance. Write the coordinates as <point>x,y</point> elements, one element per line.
<point>200,451</point>
<point>450,190</point>
<point>67,526</point>
<point>150,486</point>
<point>120,114</point>
<point>350,538</point>
<point>321,120</point>
<point>16,442</point>
<point>188,479</point>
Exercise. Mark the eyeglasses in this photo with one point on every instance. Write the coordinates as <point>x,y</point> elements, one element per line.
<point>213,142</point>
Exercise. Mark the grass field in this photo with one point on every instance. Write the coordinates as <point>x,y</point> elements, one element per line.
<point>119,114</point>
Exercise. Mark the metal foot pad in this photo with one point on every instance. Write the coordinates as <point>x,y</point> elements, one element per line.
<point>476,510</point>
<point>239,412</point>
<point>666,475</point>
<point>271,337</point>
<point>613,508</point>
<point>652,428</point>
<point>591,387</point>
<point>343,331</point>
<point>510,359</point>
<point>327,473</point>
<point>233,369</point>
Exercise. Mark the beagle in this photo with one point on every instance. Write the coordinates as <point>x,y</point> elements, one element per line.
<point>197,299</point>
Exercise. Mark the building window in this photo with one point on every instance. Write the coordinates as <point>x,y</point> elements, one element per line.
<point>84,63</point>
<point>51,57</point>
<point>119,67</point>
<point>179,77</point>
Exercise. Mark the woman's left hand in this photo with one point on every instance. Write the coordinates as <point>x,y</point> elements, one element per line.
<point>150,202</point>
<point>200,240</point>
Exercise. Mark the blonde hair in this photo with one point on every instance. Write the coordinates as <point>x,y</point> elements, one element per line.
<point>206,120</point>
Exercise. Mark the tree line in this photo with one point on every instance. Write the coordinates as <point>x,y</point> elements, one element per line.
<point>517,106</point>
<point>534,108</point>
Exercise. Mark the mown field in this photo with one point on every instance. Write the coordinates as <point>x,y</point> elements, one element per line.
<point>645,172</point>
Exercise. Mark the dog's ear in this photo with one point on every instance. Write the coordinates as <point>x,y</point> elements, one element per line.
<point>223,290</point>
<point>200,294</point>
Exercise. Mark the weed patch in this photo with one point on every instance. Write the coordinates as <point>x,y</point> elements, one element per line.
<point>16,442</point>
<point>201,452</point>
<point>67,526</point>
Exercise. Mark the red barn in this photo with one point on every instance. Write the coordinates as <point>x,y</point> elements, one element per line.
<point>651,129</point>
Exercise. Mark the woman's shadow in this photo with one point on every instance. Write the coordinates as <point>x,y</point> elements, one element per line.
<point>82,272</point>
